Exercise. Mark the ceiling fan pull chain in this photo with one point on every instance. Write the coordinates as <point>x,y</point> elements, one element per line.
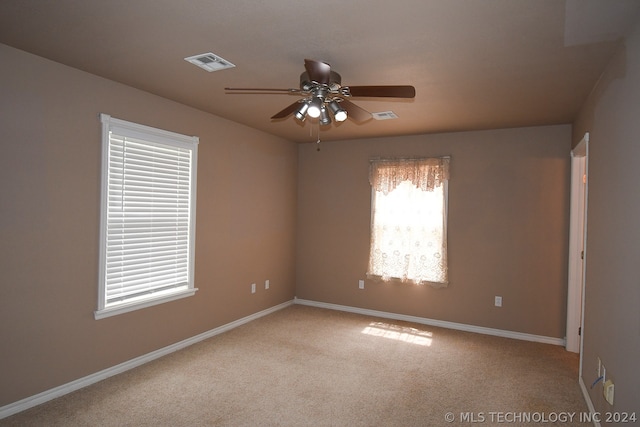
<point>318,141</point>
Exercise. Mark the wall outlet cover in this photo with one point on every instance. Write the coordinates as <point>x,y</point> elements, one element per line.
<point>608,391</point>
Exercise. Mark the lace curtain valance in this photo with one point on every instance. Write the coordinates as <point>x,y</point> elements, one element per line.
<point>426,174</point>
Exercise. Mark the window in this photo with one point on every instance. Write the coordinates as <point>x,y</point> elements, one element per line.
<point>147,224</point>
<point>409,220</point>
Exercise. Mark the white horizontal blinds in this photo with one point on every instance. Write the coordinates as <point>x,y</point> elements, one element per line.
<point>148,218</point>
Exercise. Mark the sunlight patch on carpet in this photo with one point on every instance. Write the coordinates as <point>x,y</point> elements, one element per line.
<point>399,333</point>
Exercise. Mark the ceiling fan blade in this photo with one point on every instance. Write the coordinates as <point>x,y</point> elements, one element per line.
<point>383,91</point>
<point>354,112</point>
<point>260,89</point>
<point>286,111</point>
<point>319,72</point>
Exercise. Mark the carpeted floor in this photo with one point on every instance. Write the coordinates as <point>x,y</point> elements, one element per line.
<point>305,366</point>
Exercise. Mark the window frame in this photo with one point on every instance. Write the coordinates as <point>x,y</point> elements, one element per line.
<point>155,137</point>
<point>445,226</point>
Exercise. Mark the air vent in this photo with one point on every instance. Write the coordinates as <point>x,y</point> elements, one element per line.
<point>209,62</point>
<point>384,115</point>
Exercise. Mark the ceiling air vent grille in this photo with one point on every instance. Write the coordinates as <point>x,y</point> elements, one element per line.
<point>384,115</point>
<point>210,62</point>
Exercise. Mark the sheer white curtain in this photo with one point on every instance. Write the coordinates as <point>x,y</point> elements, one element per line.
<point>408,221</point>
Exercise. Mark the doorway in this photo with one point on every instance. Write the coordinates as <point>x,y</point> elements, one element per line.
<point>577,244</point>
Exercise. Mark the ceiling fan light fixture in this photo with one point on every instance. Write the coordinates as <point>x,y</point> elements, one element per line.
<point>338,113</point>
<point>315,107</point>
<point>301,113</point>
<point>324,117</point>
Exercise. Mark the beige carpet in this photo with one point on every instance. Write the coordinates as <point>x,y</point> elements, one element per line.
<point>304,366</point>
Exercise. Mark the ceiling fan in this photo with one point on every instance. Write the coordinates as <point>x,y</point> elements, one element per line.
<point>323,92</point>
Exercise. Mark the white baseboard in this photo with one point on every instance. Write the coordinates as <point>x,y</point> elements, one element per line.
<point>432,322</point>
<point>587,399</point>
<point>30,402</point>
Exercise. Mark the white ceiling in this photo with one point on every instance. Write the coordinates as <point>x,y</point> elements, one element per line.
<point>475,64</point>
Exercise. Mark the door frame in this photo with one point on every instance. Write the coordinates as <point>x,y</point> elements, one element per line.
<point>577,246</point>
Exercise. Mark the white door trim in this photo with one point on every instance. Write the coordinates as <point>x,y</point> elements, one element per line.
<point>577,244</point>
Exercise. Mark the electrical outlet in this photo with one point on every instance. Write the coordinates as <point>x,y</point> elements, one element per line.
<point>266,284</point>
<point>253,288</point>
<point>608,391</point>
<point>498,301</point>
<point>361,284</point>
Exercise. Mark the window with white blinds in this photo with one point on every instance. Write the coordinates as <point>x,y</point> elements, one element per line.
<point>147,216</point>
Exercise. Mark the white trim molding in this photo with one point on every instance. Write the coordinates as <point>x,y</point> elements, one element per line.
<point>587,399</point>
<point>433,322</point>
<point>30,402</point>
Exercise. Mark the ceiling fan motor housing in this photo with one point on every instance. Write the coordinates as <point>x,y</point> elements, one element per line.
<point>306,85</point>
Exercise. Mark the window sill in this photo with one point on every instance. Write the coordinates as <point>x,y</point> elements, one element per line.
<point>393,279</point>
<point>132,306</point>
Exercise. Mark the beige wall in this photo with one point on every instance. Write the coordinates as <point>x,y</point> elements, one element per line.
<point>612,294</point>
<point>508,228</point>
<point>49,198</point>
